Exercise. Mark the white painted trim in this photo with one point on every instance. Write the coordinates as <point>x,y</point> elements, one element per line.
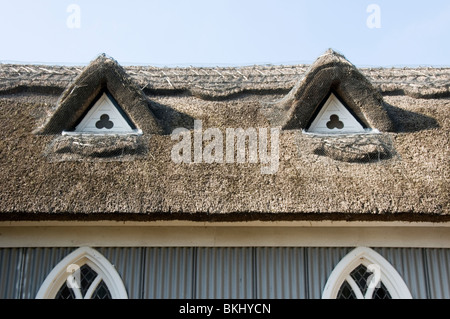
<point>81,256</point>
<point>215,236</point>
<point>354,287</point>
<point>103,106</point>
<point>367,131</point>
<point>255,223</point>
<point>92,287</point>
<point>135,132</point>
<point>334,107</point>
<point>366,256</point>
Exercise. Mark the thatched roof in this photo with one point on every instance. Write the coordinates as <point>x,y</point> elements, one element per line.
<point>400,174</point>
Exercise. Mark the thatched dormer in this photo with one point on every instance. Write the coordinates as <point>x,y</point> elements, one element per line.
<point>333,74</point>
<point>102,76</point>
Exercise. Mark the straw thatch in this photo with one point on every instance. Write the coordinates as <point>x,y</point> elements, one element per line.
<point>398,175</point>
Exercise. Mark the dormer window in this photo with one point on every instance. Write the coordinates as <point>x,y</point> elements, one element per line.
<point>102,100</point>
<point>332,98</point>
<point>104,117</point>
<point>333,117</point>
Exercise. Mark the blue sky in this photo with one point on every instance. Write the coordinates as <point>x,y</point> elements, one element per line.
<point>225,32</point>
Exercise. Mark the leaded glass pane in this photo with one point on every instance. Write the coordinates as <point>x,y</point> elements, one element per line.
<point>346,292</point>
<point>381,293</point>
<point>360,275</point>
<point>101,292</point>
<point>87,276</point>
<point>65,293</point>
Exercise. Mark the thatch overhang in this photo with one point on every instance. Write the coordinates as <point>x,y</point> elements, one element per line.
<point>318,178</point>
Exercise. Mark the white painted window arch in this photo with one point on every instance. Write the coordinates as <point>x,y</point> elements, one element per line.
<point>383,274</point>
<point>102,274</point>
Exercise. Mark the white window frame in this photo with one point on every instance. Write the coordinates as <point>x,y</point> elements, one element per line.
<point>315,127</point>
<point>110,109</point>
<point>84,255</point>
<point>366,256</point>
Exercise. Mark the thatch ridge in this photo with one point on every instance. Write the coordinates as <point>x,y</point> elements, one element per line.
<point>222,82</point>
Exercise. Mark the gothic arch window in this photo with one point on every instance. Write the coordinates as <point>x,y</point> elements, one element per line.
<point>83,274</point>
<point>365,274</point>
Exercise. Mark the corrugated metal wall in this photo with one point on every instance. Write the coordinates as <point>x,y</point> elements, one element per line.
<point>225,272</point>
<point>11,264</point>
<point>23,270</point>
<point>409,263</point>
<point>437,267</point>
<point>168,273</point>
<point>280,273</point>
